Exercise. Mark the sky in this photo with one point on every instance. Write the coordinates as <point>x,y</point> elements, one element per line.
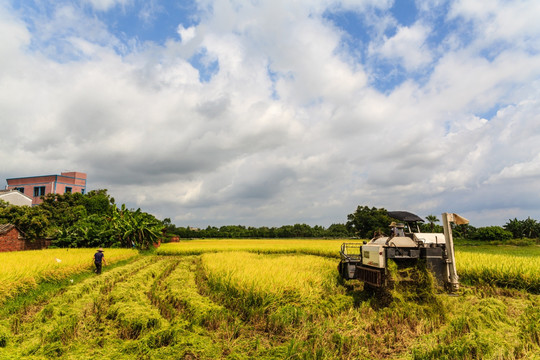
<point>276,112</point>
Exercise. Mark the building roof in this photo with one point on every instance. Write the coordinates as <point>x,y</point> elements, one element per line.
<point>71,174</point>
<point>11,192</point>
<point>4,228</point>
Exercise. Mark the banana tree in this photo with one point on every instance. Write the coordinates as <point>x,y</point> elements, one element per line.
<point>135,228</point>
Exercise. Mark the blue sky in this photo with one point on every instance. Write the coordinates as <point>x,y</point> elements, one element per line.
<point>278,112</point>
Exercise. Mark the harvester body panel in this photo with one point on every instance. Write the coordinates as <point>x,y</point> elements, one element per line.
<point>429,238</point>
<point>373,255</point>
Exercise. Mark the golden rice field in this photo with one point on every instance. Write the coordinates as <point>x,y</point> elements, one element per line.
<point>263,274</point>
<point>267,246</point>
<point>261,280</point>
<point>504,266</point>
<point>21,271</point>
<point>278,299</point>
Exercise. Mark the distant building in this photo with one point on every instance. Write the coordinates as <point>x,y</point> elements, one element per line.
<point>37,186</point>
<point>15,197</point>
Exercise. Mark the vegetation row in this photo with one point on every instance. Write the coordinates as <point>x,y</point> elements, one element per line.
<point>94,220</point>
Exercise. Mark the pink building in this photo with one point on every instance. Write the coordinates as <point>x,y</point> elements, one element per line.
<point>37,186</point>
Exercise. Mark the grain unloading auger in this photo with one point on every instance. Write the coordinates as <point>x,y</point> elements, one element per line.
<point>368,262</point>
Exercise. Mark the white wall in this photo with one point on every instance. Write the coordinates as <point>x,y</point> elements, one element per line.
<point>16,198</point>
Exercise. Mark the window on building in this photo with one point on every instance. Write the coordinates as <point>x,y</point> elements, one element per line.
<point>20,189</point>
<point>68,190</point>
<point>83,191</point>
<point>39,191</point>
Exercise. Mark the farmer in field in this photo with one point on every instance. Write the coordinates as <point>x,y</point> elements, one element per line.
<point>99,260</point>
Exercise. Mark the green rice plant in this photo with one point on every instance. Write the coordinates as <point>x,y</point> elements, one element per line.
<point>21,271</point>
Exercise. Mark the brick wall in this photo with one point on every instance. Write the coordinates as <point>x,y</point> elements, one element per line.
<point>12,241</point>
<point>36,244</point>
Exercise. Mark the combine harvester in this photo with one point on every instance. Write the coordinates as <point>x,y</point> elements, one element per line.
<point>406,246</point>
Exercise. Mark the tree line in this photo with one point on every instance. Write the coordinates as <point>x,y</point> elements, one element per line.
<point>94,219</point>
<point>365,221</point>
<point>264,232</point>
<point>363,224</point>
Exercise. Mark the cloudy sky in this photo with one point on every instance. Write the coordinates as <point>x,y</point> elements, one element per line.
<point>273,112</point>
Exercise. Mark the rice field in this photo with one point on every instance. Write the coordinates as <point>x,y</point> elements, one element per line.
<point>261,301</point>
<point>22,271</point>
<point>503,266</point>
<point>268,246</point>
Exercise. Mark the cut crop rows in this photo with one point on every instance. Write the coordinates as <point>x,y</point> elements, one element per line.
<point>247,305</point>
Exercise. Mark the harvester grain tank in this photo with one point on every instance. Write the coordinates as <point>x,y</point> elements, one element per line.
<point>405,245</point>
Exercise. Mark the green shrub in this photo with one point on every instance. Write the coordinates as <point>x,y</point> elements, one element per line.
<point>490,233</point>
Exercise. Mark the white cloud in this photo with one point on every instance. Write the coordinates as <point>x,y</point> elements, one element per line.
<point>288,129</point>
<point>407,46</point>
<point>104,5</point>
<point>515,22</point>
<point>529,169</point>
<point>186,34</point>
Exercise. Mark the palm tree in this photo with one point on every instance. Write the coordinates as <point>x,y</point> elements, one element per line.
<point>432,219</point>
<point>529,228</point>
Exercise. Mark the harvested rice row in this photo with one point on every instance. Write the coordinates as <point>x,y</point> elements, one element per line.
<point>179,293</point>
<point>131,308</point>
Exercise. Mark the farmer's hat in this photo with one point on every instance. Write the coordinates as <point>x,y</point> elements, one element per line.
<point>393,224</point>
<point>100,250</point>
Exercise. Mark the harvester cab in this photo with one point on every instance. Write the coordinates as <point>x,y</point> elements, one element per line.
<point>406,245</point>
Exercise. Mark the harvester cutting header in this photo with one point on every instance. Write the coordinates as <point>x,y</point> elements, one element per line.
<point>368,262</point>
